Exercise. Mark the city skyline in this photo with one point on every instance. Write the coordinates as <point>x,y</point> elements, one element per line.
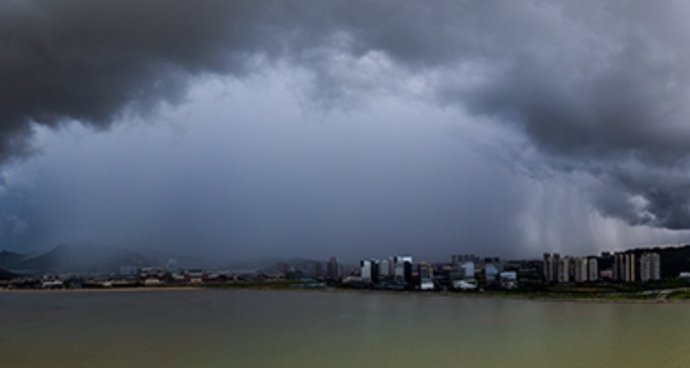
<point>90,254</point>
<point>349,259</point>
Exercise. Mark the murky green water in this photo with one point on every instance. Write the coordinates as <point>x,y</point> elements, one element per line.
<point>208,328</point>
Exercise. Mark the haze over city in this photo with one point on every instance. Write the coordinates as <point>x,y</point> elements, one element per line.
<point>247,129</point>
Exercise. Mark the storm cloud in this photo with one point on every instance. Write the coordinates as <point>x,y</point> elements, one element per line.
<point>598,88</point>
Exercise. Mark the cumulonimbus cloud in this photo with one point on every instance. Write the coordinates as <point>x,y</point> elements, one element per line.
<point>596,86</point>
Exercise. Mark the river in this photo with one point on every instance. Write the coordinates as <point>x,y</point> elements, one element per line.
<point>254,328</point>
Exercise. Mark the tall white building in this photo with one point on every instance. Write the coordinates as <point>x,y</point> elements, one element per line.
<point>592,269</point>
<point>624,267</point>
<point>580,269</point>
<point>384,269</point>
<point>650,267</point>
<point>563,270</point>
<point>631,269</point>
<point>551,267</point>
<point>365,270</point>
<point>402,268</point>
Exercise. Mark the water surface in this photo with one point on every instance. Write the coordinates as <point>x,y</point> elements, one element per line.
<point>252,328</point>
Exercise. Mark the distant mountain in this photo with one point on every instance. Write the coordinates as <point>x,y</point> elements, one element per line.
<point>674,260</point>
<point>8,259</point>
<point>251,264</point>
<point>296,263</point>
<point>6,275</point>
<point>183,260</point>
<point>82,258</point>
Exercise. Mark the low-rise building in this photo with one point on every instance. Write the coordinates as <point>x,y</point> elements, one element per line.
<point>426,276</point>
<point>465,284</point>
<point>508,280</point>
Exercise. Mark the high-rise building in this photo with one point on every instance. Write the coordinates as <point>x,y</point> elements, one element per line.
<point>551,267</point>
<point>365,270</point>
<point>402,268</point>
<point>655,265</point>
<point>384,269</point>
<point>617,267</point>
<point>375,271</point>
<point>606,265</point>
<point>490,273</point>
<point>631,270</point>
<point>462,258</point>
<point>563,269</point>
<point>650,267</point>
<point>592,269</point>
<point>624,267</point>
<point>407,266</point>
<point>580,269</point>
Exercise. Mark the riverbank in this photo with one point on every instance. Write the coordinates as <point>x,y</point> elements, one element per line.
<point>679,295</point>
<point>102,290</point>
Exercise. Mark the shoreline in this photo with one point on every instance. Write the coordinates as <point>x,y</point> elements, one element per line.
<point>102,290</point>
<point>517,296</point>
<point>512,296</point>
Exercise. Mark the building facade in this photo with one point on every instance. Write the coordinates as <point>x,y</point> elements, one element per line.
<point>650,267</point>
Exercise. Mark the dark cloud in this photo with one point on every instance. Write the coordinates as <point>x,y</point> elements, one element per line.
<point>592,84</point>
<point>605,92</point>
<point>645,196</point>
<point>69,60</point>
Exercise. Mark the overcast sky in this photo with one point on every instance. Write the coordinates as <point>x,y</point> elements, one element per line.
<point>244,129</point>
